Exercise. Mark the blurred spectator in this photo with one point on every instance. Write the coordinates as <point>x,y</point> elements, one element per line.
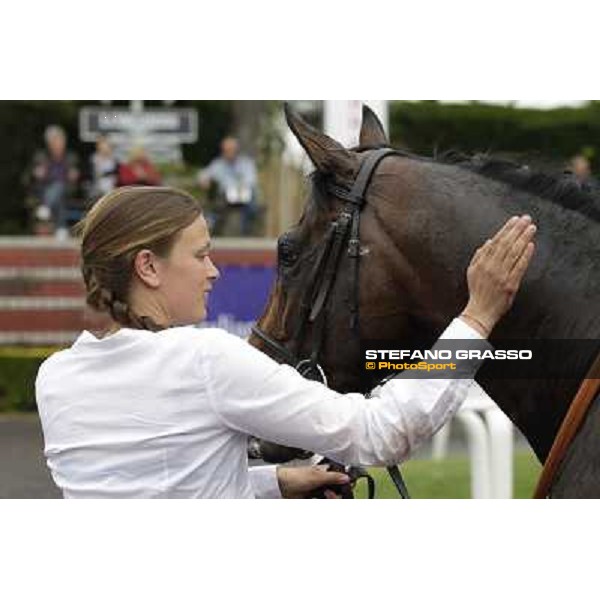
<point>235,177</point>
<point>139,170</point>
<point>53,180</point>
<point>580,167</point>
<point>105,169</point>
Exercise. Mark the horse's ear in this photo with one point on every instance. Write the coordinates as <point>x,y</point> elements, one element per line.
<point>326,154</point>
<point>371,130</point>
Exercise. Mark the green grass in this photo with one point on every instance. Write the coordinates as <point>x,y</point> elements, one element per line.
<point>450,478</point>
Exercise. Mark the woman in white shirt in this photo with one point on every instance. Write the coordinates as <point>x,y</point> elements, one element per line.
<point>158,409</point>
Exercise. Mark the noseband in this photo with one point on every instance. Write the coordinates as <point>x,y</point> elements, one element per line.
<point>346,228</point>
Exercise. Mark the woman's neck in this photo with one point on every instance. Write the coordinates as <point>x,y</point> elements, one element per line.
<point>113,327</point>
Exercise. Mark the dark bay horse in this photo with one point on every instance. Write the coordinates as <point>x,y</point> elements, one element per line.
<point>421,223</point>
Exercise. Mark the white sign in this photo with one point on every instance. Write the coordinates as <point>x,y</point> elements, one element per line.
<point>160,131</point>
<point>175,125</point>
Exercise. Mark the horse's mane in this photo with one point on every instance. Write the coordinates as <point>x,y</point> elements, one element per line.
<point>562,188</point>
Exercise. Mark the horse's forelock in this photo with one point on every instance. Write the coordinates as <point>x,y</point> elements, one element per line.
<point>320,198</point>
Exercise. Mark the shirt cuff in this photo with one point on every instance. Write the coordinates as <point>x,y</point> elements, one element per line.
<point>264,482</point>
<point>461,330</point>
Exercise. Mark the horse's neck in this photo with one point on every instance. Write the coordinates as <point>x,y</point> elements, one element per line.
<point>546,307</point>
<point>441,226</point>
<point>536,407</point>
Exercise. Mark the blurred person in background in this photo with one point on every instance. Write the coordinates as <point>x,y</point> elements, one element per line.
<point>235,177</point>
<point>580,167</point>
<point>139,170</point>
<point>53,179</point>
<point>104,169</point>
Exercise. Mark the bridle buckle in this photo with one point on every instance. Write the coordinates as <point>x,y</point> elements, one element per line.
<point>354,248</point>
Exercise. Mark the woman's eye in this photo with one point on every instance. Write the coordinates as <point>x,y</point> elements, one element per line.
<point>287,252</point>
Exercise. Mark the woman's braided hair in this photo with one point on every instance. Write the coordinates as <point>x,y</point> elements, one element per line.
<point>116,228</point>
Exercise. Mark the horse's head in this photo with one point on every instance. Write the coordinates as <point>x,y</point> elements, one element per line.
<point>330,295</point>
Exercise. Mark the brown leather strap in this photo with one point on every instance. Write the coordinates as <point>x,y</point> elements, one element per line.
<point>568,429</point>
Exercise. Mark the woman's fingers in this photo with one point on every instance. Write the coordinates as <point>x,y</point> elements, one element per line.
<point>518,271</point>
<point>505,239</point>
<point>329,495</point>
<point>505,229</point>
<point>481,252</point>
<point>497,245</point>
<point>518,247</point>
<point>514,250</point>
<point>515,233</point>
<point>508,241</point>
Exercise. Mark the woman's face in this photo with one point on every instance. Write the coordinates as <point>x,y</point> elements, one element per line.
<point>187,275</point>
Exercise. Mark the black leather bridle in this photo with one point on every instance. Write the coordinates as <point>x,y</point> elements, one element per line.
<point>325,269</point>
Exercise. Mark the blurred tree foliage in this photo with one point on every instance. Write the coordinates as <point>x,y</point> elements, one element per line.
<point>548,136</point>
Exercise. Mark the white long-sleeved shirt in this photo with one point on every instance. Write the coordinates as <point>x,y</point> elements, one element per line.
<point>166,414</point>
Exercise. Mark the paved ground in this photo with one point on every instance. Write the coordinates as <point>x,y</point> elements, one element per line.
<point>23,471</point>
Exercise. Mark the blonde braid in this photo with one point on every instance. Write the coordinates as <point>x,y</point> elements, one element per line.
<point>104,300</point>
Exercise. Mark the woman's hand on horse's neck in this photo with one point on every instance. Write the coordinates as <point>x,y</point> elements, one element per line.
<point>496,272</point>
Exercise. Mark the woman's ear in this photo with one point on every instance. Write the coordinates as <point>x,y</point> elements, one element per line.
<point>145,266</point>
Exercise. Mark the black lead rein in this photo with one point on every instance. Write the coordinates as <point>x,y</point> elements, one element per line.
<point>347,225</point>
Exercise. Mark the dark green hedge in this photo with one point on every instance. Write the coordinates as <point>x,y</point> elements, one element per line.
<point>18,370</point>
<point>556,134</point>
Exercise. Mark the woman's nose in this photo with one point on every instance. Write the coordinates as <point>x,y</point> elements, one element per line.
<point>213,271</point>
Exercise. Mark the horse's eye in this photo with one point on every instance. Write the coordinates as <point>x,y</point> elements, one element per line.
<point>287,252</point>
